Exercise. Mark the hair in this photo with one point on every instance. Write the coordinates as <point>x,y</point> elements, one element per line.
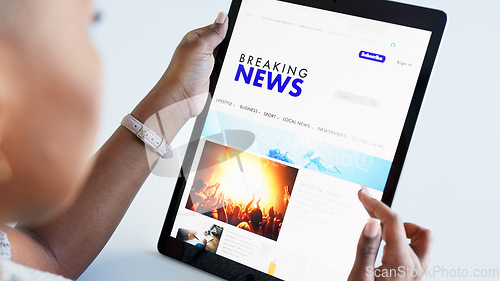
<point>198,185</point>
<point>255,217</point>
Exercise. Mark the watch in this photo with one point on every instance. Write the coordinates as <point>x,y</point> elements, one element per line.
<point>148,136</point>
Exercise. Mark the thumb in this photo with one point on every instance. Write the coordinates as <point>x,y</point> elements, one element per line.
<point>368,246</point>
<point>217,32</point>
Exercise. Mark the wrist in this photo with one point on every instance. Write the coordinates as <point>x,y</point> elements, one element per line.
<point>164,112</point>
<point>152,140</point>
<point>160,98</point>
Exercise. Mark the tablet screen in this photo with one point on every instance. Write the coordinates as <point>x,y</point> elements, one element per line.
<point>309,105</point>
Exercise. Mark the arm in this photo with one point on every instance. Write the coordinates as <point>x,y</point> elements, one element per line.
<point>221,214</point>
<point>213,203</point>
<point>268,231</point>
<point>277,225</point>
<point>248,206</point>
<point>67,245</point>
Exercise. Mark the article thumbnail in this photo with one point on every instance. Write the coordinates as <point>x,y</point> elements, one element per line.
<point>207,239</point>
<point>241,189</point>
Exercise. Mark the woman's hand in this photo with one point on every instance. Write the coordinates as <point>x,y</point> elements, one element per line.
<point>185,83</point>
<point>407,261</point>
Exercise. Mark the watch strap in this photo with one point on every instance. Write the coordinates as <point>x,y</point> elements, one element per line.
<point>148,136</point>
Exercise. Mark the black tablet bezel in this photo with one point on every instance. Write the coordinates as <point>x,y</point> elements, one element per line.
<point>386,11</point>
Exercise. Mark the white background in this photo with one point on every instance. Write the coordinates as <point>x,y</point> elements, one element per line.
<point>450,180</point>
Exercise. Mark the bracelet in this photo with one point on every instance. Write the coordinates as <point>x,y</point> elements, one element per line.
<point>148,136</point>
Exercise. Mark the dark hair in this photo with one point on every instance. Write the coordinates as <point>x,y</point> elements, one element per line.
<point>255,217</point>
<point>237,208</point>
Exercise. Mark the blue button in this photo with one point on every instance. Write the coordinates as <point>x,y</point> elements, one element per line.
<point>372,56</point>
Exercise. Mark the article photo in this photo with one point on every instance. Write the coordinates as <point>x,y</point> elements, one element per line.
<point>241,189</point>
<point>207,239</point>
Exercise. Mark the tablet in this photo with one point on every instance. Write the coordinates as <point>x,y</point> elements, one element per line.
<point>311,100</point>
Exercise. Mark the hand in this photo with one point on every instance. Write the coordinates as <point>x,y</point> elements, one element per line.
<point>411,259</point>
<point>187,78</point>
<point>271,213</point>
<point>191,234</point>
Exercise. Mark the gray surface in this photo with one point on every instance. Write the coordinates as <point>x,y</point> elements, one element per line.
<point>449,182</point>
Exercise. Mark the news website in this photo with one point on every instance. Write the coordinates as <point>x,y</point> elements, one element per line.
<point>309,106</point>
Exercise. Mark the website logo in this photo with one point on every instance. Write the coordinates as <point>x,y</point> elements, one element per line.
<point>271,75</point>
<point>372,56</point>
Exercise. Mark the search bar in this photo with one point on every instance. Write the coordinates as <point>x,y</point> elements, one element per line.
<point>349,97</point>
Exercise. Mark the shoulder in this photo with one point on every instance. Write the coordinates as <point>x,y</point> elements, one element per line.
<point>26,250</point>
<point>11,271</point>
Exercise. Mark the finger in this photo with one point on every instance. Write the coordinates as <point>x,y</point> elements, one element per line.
<point>217,32</point>
<point>421,242</point>
<point>202,30</point>
<point>367,251</point>
<point>393,229</point>
<point>196,34</point>
<point>360,194</point>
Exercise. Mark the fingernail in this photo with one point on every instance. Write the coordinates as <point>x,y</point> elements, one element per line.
<point>221,18</point>
<point>365,191</point>
<point>372,228</point>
